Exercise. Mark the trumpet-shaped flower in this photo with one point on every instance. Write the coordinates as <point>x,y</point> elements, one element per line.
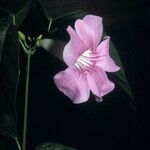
<point>88,60</point>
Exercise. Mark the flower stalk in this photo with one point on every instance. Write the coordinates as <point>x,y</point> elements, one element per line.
<point>14,19</point>
<point>50,24</point>
<point>29,51</point>
<point>25,122</point>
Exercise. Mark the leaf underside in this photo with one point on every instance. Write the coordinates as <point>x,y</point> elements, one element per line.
<point>9,75</point>
<point>53,146</point>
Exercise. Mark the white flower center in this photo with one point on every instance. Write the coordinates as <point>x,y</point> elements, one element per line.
<point>86,61</point>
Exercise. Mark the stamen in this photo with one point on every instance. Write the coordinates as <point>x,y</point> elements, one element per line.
<point>87,61</point>
<point>84,62</point>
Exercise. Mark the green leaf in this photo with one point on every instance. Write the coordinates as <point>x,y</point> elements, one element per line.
<point>4,25</point>
<point>44,20</point>
<point>39,23</point>
<point>53,146</point>
<point>120,77</point>
<point>70,16</point>
<point>9,75</point>
<point>41,11</point>
<point>8,18</point>
<point>60,23</point>
<point>22,13</point>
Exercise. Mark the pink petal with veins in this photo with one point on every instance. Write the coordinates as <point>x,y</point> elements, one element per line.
<point>105,61</point>
<point>95,23</point>
<point>98,82</point>
<point>89,30</point>
<point>87,62</point>
<point>74,48</point>
<point>73,83</point>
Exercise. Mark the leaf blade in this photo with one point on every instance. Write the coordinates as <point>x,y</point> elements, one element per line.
<point>4,25</point>
<point>22,13</point>
<point>9,77</point>
<point>53,146</point>
<point>121,77</point>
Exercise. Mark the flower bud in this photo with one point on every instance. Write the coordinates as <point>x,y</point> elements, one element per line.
<point>21,36</point>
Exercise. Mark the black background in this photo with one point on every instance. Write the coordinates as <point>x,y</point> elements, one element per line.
<point>93,126</point>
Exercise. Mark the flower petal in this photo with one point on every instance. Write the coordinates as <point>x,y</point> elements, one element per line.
<point>105,61</point>
<point>98,82</point>
<point>73,83</point>
<point>90,30</point>
<point>74,48</point>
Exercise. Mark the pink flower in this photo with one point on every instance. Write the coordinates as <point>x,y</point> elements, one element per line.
<point>88,60</point>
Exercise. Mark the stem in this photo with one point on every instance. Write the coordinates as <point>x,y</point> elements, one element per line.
<point>18,144</point>
<point>24,48</point>
<point>49,26</point>
<point>14,19</point>
<point>26,103</point>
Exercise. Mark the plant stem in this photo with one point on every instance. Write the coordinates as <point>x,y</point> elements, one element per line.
<point>49,26</point>
<point>18,144</point>
<point>14,19</point>
<point>24,143</point>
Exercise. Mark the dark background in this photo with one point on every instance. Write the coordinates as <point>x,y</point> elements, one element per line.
<point>127,22</point>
